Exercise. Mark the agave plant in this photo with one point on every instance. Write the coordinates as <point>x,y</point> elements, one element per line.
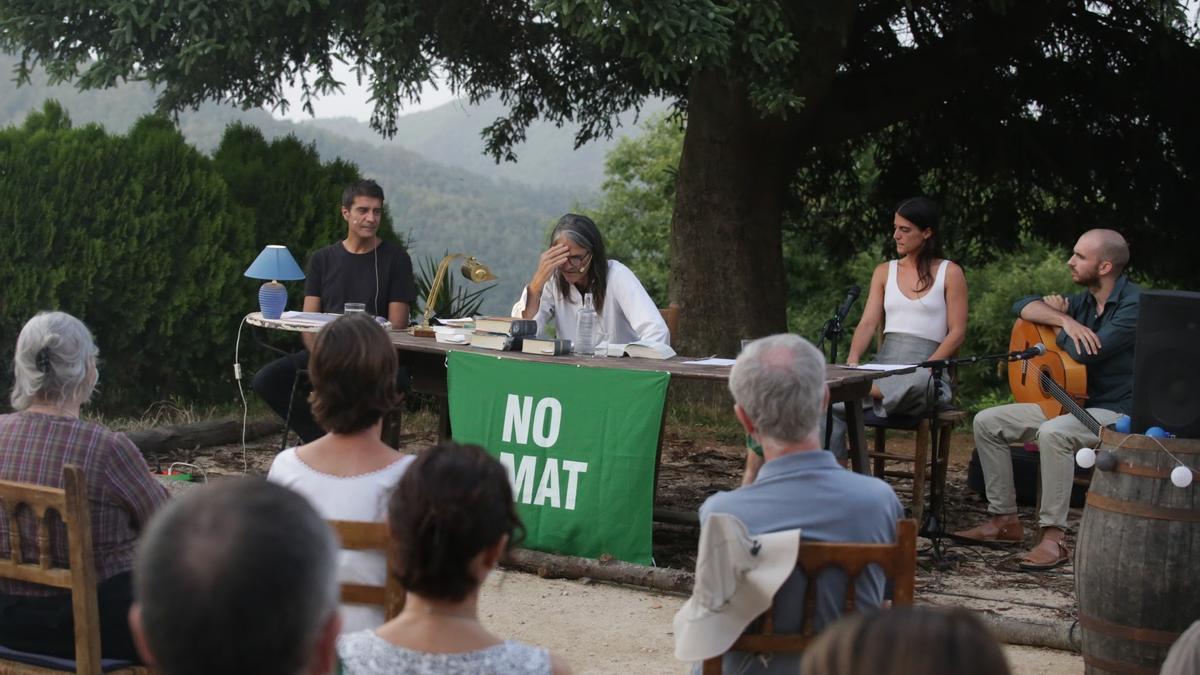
<point>456,299</point>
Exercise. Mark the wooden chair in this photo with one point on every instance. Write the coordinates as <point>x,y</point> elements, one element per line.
<point>670,314</point>
<point>71,505</point>
<point>898,561</point>
<point>366,536</point>
<point>928,468</point>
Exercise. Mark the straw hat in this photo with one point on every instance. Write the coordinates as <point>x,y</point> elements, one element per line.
<point>737,576</point>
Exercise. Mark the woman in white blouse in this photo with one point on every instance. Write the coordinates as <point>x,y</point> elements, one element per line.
<point>348,473</point>
<point>576,264</point>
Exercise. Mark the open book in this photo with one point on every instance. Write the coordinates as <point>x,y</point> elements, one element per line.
<point>642,349</point>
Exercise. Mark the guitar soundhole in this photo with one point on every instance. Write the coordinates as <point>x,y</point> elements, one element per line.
<point>1042,381</point>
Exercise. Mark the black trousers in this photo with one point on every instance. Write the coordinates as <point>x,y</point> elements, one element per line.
<point>273,383</point>
<point>46,625</point>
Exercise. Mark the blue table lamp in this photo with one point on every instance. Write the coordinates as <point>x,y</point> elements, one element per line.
<point>275,263</point>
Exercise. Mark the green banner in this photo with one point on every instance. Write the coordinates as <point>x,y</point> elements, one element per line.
<point>579,444</point>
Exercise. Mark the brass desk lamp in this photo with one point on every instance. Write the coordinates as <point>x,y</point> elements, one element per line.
<point>472,269</point>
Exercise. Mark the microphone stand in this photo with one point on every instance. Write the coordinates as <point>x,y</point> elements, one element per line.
<point>832,330</point>
<point>935,518</point>
<point>932,527</point>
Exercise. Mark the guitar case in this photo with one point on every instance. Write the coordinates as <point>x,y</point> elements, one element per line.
<point>1025,463</point>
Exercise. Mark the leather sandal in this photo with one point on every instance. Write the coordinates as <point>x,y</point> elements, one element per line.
<point>1042,557</point>
<point>988,534</point>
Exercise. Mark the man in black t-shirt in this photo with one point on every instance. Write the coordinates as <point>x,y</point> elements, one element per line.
<point>361,268</point>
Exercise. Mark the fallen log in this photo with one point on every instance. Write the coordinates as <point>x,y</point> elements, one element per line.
<point>676,517</point>
<point>200,434</point>
<point>1061,635</point>
<point>551,566</point>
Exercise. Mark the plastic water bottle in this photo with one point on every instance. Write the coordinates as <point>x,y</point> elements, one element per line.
<point>585,333</point>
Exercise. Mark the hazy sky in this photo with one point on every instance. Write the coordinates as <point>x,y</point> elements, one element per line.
<point>353,101</point>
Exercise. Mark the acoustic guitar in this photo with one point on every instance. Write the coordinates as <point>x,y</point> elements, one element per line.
<point>1054,380</point>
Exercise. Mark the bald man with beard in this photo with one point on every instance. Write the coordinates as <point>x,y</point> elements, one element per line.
<point>1096,327</point>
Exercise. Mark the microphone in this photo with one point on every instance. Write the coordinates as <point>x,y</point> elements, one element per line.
<point>1029,353</point>
<point>851,295</point>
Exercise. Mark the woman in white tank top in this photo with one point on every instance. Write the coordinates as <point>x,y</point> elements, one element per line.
<point>921,301</point>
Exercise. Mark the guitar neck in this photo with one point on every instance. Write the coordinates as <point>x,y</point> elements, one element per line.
<point>1069,404</point>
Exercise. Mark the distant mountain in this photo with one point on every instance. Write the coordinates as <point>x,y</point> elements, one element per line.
<point>450,134</point>
<point>438,205</point>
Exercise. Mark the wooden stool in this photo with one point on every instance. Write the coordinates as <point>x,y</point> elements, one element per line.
<point>932,470</point>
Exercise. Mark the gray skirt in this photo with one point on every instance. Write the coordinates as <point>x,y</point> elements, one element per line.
<point>907,394</point>
<point>911,393</point>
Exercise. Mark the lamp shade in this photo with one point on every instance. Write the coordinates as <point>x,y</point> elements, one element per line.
<point>477,271</point>
<point>276,264</point>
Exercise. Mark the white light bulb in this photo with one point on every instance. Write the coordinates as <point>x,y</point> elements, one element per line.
<point>1086,458</point>
<point>1181,476</point>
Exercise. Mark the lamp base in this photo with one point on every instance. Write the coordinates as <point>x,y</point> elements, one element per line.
<point>272,298</point>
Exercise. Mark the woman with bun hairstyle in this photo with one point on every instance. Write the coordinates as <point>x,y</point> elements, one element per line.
<point>54,375</point>
<point>452,516</point>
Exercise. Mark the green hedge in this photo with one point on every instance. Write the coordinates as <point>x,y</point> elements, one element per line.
<point>146,239</point>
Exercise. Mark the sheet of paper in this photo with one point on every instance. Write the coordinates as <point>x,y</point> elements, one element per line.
<point>318,319</point>
<point>315,317</point>
<point>711,362</point>
<point>883,366</point>
<point>457,322</point>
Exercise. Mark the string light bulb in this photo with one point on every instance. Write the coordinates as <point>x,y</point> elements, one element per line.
<point>1085,458</point>
<point>1181,476</point>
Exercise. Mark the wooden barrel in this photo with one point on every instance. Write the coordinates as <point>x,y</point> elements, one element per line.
<point>1139,551</point>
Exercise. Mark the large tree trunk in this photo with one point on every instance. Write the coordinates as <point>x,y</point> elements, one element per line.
<point>726,240</point>
<point>726,231</point>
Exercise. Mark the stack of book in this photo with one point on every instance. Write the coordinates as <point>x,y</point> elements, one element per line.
<point>546,346</point>
<point>502,333</point>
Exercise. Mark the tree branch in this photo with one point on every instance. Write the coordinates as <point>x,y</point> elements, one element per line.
<point>869,100</point>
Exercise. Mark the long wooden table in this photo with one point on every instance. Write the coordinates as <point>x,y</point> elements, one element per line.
<point>425,359</point>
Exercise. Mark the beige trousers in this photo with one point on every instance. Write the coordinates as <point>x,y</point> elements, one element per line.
<point>1057,439</point>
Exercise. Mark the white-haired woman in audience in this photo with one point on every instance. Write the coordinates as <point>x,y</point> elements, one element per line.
<point>348,473</point>
<point>452,517</point>
<point>54,370</point>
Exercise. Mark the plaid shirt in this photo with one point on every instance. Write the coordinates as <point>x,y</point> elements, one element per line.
<point>121,492</point>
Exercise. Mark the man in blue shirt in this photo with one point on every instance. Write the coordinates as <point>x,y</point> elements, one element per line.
<point>1096,327</point>
<point>778,385</point>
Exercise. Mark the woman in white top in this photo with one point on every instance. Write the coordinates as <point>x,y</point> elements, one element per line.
<point>576,264</point>
<point>348,473</point>
<point>921,299</point>
<point>451,518</point>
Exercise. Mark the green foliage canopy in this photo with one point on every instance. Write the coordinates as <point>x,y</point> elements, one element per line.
<point>1048,116</point>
